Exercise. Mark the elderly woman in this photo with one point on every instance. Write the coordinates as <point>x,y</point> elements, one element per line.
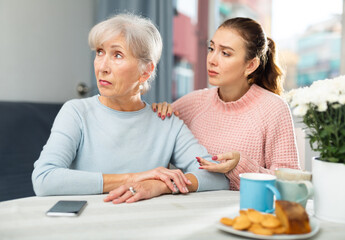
<point>87,153</point>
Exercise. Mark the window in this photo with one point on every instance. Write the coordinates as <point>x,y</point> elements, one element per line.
<point>307,33</point>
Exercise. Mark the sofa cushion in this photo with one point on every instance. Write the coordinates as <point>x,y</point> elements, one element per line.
<point>24,130</point>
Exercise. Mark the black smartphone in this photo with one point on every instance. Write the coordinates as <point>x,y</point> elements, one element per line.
<point>67,208</point>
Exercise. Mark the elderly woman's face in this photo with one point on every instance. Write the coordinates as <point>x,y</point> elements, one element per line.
<point>116,69</point>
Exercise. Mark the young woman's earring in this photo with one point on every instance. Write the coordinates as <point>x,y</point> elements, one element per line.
<point>141,87</point>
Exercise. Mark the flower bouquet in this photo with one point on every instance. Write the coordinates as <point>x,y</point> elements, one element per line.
<point>322,107</point>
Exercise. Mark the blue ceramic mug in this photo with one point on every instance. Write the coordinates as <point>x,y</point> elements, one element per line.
<point>257,191</point>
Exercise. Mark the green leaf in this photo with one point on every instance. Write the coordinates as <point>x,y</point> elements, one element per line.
<point>332,159</point>
<point>342,149</point>
<point>323,133</point>
<point>328,129</point>
<point>342,132</point>
<point>333,149</point>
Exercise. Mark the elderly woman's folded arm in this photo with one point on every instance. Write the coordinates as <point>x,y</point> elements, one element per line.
<point>53,174</point>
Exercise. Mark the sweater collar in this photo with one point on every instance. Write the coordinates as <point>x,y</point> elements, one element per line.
<point>246,102</point>
<point>124,113</point>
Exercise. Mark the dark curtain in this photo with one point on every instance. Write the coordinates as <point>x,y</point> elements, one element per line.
<point>161,13</point>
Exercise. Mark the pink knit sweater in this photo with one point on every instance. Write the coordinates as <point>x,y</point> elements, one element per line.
<point>258,125</point>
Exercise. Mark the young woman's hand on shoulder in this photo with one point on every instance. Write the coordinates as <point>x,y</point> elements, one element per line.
<point>228,161</point>
<point>163,110</point>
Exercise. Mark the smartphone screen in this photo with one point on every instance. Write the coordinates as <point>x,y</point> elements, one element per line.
<point>67,208</point>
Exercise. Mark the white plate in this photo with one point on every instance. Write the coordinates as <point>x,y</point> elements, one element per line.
<point>314,224</point>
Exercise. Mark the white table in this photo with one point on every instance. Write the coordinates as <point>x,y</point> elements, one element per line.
<point>191,216</point>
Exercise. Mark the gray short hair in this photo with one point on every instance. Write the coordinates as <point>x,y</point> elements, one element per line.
<point>141,35</point>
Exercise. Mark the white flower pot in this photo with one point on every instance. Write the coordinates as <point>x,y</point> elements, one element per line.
<point>329,190</point>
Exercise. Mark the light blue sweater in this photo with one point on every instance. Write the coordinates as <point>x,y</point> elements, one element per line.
<point>88,139</point>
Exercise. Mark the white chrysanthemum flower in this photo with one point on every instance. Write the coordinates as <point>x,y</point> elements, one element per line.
<point>300,110</point>
<point>342,99</point>
<point>332,98</point>
<point>319,94</point>
<point>336,106</point>
<point>322,107</point>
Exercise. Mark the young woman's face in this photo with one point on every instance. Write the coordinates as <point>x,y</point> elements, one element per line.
<point>116,69</point>
<point>226,63</point>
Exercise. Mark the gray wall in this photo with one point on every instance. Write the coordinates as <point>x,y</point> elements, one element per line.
<point>44,49</point>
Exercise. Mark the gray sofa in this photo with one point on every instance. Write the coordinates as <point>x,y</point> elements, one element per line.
<point>24,130</point>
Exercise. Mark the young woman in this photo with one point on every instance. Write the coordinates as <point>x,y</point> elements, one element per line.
<point>244,114</point>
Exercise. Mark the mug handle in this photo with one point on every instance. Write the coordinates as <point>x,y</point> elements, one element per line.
<point>276,193</point>
<point>310,190</point>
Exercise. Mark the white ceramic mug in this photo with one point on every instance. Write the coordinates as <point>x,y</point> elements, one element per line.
<point>294,185</point>
<point>295,191</point>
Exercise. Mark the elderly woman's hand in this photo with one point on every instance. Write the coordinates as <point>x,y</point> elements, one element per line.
<point>228,161</point>
<point>133,192</point>
<point>163,109</point>
<point>167,176</point>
